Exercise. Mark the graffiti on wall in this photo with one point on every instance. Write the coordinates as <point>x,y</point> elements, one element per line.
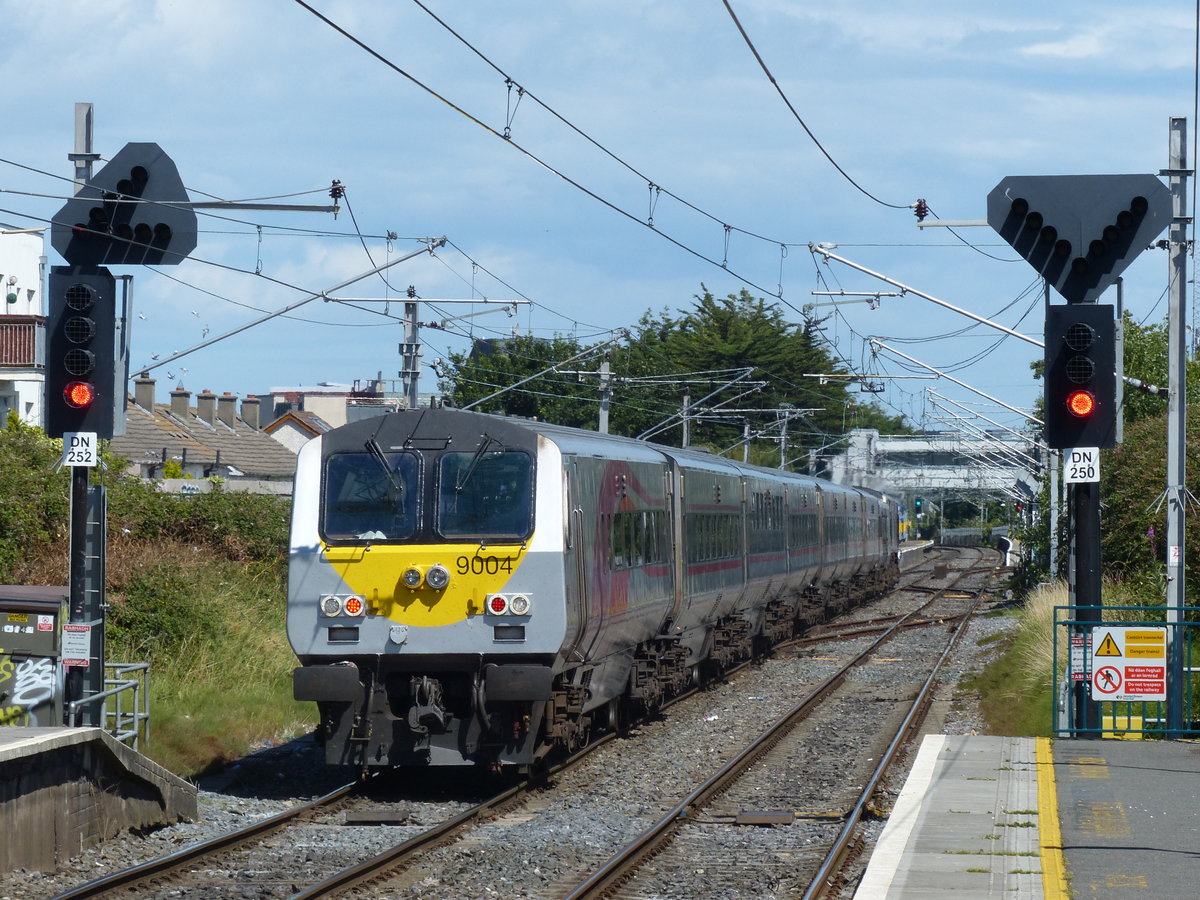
<point>27,691</point>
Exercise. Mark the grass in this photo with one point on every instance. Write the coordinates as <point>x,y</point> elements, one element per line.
<point>214,632</point>
<point>1016,689</point>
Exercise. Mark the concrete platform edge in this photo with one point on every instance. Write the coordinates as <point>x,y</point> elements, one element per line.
<point>63,790</point>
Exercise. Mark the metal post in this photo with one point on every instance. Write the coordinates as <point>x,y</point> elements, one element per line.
<point>88,519</point>
<point>77,572</point>
<point>687,431</point>
<point>1176,417</point>
<point>1085,533</point>
<point>83,157</point>
<point>410,354</point>
<point>1054,461</point>
<point>1119,338</point>
<point>605,392</point>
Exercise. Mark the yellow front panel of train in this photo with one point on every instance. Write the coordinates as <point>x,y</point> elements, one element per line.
<point>377,574</point>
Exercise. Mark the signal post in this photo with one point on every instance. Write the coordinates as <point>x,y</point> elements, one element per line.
<point>1080,232</point>
<point>134,212</point>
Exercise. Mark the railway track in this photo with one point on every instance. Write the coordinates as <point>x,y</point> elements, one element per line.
<point>175,866</point>
<point>679,840</point>
<point>429,861</point>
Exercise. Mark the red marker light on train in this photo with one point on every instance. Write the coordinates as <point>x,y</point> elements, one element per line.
<point>354,606</point>
<point>497,604</point>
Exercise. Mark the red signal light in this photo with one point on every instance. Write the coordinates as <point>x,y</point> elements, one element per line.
<point>1081,403</point>
<point>79,394</point>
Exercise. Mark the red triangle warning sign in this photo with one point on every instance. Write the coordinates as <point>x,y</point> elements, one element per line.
<point>1108,647</point>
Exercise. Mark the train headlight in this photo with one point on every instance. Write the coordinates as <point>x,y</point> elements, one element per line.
<point>331,605</point>
<point>412,577</point>
<point>437,577</point>
<point>518,605</point>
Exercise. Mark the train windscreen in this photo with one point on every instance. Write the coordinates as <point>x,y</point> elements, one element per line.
<point>370,496</point>
<point>485,494</point>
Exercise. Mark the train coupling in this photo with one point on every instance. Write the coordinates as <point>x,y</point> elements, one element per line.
<point>427,713</point>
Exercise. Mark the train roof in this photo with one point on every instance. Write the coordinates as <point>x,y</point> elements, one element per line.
<point>573,440</point>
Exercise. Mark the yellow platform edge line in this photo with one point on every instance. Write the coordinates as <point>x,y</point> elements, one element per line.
<point>1054,868</point>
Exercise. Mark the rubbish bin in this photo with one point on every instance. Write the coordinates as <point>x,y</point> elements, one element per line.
<point>31,683</point>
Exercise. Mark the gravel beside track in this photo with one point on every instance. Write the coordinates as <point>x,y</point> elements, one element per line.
<point>544,846</point>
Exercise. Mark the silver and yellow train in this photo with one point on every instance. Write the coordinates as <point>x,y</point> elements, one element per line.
<point>472,590</point>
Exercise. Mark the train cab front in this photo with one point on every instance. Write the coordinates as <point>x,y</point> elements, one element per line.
<point>420,606</point>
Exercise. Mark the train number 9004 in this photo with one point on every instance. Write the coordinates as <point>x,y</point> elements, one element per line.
<point>485,565</point>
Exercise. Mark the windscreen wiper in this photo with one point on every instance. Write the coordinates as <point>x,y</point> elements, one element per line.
<point>465,475</point>
<point>377,454</point>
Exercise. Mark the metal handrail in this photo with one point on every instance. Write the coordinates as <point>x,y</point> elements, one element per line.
<point>129,726</point>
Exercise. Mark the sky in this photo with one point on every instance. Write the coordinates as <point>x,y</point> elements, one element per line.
<point>648,158</point>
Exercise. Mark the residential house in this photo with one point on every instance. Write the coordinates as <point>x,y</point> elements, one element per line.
<point>212,438</point>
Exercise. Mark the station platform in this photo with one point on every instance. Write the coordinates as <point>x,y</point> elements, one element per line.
<point>63,790</point>
<point>1025,818</point>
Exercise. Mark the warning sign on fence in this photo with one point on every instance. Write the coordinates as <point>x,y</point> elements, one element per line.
<point>1129,663</point>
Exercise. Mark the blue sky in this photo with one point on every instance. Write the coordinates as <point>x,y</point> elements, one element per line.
<point>259,98</point>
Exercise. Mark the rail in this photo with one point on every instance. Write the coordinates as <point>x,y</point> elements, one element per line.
<point>128,722</point>
<point>120,883</point>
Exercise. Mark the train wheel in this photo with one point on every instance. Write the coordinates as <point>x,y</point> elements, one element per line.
<point>614,720</point>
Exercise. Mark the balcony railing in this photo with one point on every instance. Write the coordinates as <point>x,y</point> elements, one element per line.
<point>22,342</point>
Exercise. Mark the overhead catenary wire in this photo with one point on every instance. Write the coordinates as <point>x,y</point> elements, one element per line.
<point>529,154</point>
<point>788,103</point>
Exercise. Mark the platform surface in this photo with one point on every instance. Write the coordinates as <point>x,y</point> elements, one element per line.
<point>992,817</point>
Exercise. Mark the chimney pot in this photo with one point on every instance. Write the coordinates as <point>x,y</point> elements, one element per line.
<point>143,392</point>
<point>180,400</point>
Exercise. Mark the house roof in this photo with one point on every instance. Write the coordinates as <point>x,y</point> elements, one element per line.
<point>308,422</point>
<point>249,452</point>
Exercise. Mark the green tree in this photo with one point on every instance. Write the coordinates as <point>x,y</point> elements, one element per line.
<point>741,331</point>
<point>33,501</point>
<point>491,366</point>
<point>1132,481</point>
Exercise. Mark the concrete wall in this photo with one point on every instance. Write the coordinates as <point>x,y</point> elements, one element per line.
<point>63,790</point>
<point>230,486</point>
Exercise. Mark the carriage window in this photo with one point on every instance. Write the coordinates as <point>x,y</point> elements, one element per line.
<point>488,494</point>
<point>369,497</point>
